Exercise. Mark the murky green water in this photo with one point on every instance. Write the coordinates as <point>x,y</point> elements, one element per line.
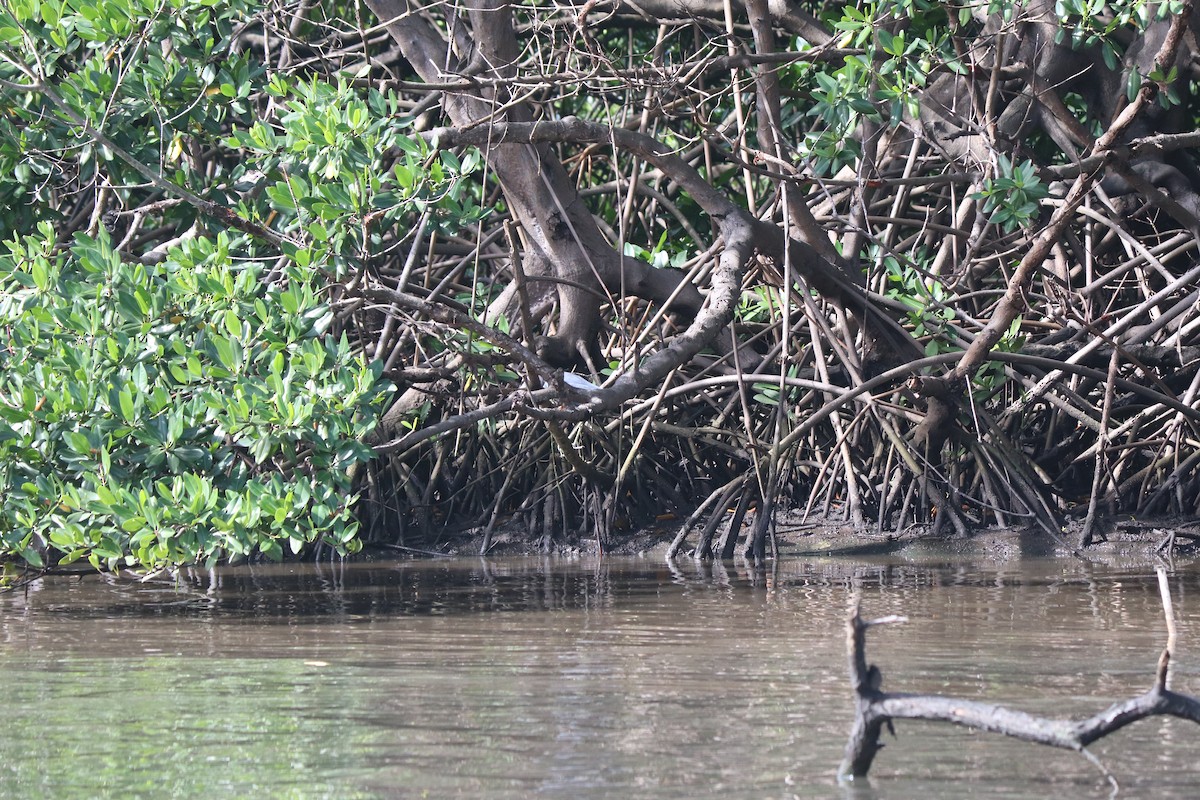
<point>585,679</point>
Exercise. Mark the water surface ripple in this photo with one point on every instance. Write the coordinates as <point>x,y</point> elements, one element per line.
<point>573,679</point>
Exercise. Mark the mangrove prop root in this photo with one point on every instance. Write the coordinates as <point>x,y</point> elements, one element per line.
<point>875,708</point>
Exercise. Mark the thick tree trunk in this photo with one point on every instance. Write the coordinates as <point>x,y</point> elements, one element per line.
<point>559,228</point>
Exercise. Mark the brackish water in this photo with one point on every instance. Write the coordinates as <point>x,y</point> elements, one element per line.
<point>574,679</point>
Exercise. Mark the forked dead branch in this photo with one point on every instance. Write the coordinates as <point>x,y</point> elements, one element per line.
<point>875,709</point>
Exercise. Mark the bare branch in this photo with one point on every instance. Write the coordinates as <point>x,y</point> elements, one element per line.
<point>874,708</point>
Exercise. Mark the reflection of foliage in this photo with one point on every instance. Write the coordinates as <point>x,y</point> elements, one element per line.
<point>182,728</point>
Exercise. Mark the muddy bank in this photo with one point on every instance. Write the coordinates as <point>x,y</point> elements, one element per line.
<point>1146,538</point>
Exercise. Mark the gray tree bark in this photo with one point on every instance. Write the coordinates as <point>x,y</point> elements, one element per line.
<point>560,231</point>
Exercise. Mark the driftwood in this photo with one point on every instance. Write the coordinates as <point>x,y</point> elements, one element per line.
<point>875,709</point>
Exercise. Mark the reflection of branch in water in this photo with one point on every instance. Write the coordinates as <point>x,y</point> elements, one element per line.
<point>874,708</point>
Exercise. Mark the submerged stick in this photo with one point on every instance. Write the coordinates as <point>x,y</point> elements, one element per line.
<point>875,708</point>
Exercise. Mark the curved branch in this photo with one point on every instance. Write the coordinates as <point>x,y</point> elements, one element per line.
<point>743,234</point>
<point>716,314</point>
<point>829,278</point>
<point>578,131</point>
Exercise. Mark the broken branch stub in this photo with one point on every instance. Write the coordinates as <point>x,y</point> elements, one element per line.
<point>875,708</point>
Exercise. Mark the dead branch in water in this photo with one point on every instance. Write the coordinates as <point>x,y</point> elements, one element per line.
<point>875,709</point>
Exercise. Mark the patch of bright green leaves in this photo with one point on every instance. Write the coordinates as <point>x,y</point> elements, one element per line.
<point>767,394</point>
<point>658,256</point>
<point>1097,23</point>
<point>932,318</point>
<point>177,413</point>
<point>152,74</point>
<point>759,304</point>
<point>321,165</point>
<point>1100,23</point>
<point>196,407</point>
<point>880,85</point>
<point>925,298</point>
<point>1012,197</point>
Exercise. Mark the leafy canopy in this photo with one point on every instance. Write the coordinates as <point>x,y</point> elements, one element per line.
<point>172,389</point>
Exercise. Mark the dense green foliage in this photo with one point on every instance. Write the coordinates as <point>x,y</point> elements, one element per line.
<point>177,412</point>
<point>172,390</point>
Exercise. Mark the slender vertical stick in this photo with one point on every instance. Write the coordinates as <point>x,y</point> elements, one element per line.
<point>1164,661</point>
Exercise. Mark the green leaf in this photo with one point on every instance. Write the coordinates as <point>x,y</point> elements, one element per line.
<point>77,442</point>
<point>125,400</point>
<point>862,106</point>
<point>1133,84</point>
